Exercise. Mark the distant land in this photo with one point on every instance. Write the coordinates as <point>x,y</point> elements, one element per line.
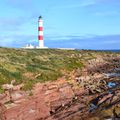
<point>109,50</point>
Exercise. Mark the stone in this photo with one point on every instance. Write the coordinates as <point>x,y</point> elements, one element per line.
<point>17,95</point>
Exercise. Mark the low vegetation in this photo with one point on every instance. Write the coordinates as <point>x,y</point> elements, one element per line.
<point>31,66</point>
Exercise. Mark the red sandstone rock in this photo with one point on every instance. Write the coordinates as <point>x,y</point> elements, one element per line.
<point>17,95</point>
<point>4,97</point>
<point>46,97</point>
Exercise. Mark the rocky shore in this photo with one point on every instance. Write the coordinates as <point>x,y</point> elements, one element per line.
<point>67,98</point>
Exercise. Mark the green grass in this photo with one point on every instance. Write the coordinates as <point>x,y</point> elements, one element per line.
<point>28,85</point>
<point>49,63</point>
<point>1,90</point>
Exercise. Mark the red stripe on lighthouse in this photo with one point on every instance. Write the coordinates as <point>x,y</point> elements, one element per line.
<point>40,37</point>
<point>40,28</point>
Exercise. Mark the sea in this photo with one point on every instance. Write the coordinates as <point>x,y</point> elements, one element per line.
<point>111,50</point>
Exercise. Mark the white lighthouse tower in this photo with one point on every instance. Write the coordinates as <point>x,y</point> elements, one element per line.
<point>40,37</point>
<point>40,33</point>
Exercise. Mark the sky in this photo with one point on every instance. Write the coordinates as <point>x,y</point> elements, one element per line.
<point>80,24</point>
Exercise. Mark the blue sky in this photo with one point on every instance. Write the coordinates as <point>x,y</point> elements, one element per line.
<point>83,24</point>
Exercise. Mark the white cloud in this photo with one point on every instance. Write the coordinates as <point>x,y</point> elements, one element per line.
<point>56,38</point>
<point>6,42</point>
<point>82,3</point>
<point>88,2</point>
<point>17,40</point>
<point>111,42</point>
<point>107,13</point>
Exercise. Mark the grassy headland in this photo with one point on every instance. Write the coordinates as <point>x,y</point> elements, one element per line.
<point>31,66</point>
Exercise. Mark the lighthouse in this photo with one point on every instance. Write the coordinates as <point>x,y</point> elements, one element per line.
<point>40,32</point>
<point>40,37</point>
